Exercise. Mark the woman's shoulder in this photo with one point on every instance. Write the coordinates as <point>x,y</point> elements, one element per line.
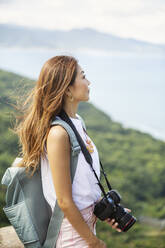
<point>58,140</point>
<point>57,132</point>
<point>57,137</point>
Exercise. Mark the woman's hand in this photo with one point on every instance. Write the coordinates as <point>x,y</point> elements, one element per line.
<point>101,244</point>
<point>115,224</point>
<point>98,244</point>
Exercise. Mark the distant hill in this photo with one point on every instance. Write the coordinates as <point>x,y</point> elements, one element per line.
<point>86,39</point>
<point>133,161</point>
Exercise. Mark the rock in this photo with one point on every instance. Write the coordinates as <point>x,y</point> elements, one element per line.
<point>158,223</point>
<point>9,238</point>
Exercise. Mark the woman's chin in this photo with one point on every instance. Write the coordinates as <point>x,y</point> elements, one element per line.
<point>87,98</point>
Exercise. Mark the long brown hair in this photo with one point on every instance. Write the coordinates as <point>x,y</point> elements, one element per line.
<point>43,103</point>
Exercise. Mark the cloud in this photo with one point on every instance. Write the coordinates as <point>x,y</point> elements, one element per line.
<point>139,19</point>
<point>7,1</point>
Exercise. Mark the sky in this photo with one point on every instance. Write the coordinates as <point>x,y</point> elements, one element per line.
<point>139,19</point>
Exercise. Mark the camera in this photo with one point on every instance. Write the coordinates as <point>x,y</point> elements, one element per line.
<point>109,207</point>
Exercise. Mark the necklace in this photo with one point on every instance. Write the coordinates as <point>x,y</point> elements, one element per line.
<point>89,145</point>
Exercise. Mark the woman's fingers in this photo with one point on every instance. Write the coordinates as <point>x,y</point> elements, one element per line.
<point>113,224</point>
<point>127,209</point>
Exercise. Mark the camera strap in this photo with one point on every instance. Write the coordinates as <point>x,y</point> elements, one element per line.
<point>86,153</point>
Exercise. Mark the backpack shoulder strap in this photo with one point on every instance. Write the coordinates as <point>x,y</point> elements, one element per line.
<point>57,215</point>
<point>73,140</point>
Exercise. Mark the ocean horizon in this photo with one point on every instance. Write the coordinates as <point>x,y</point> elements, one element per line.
<point>130,88</point>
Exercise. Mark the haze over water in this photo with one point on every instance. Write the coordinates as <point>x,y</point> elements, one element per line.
<point>130,88</point>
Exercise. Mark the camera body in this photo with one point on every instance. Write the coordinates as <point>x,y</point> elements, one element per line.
<point>109,207</point>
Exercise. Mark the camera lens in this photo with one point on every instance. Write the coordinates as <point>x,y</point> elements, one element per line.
<point>126,222</point>
<point>124,219</point>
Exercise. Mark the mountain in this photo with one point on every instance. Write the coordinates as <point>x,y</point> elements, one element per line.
<point>133,162</point>
<point>86,39</point>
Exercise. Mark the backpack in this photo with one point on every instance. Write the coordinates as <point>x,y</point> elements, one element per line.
<point>26,207</point>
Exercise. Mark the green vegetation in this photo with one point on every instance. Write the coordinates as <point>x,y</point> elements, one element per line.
<point>133,161</point>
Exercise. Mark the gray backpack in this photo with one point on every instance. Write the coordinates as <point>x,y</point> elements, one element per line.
<point>27,209</point>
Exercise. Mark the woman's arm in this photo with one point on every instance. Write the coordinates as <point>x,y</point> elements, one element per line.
<point>58,148</point>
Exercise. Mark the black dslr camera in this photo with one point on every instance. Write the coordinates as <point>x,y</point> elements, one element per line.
<point>109,207</point>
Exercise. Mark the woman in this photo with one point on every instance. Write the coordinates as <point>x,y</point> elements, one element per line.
<point>62,84</point>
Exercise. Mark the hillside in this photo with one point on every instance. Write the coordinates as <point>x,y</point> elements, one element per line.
<point>86,39</point>
<point>134,162</point>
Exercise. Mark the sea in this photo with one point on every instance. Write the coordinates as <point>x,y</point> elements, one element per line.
<point>129,87</point>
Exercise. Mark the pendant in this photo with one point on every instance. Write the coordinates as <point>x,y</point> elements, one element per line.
<point>90,149</point>
<point>89,146</point>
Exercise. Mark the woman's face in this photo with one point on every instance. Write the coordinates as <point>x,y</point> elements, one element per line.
<point>80,89</point>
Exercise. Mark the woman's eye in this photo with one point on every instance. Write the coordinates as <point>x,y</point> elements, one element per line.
<point>84,76</point>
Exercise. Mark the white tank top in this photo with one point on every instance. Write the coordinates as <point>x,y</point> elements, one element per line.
<point>85,190</point>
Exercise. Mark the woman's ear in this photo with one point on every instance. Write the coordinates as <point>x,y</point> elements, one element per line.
<point>67,92</point>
